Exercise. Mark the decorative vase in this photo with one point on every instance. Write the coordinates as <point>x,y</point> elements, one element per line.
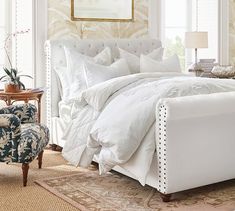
<point>12,88</point>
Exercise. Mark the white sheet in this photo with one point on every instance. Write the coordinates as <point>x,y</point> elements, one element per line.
<point>124,130</point>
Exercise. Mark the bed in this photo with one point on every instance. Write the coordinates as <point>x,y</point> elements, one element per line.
<point>193,135</point>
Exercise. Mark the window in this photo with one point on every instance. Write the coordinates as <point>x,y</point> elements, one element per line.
<point>22,46</point>
<point>175,26</point>
<point>16,16</point>
<point>208,20</point>
<point>2,33</point>
<point>181,16</point>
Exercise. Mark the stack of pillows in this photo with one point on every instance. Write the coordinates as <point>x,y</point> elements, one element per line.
<point>83,71</point>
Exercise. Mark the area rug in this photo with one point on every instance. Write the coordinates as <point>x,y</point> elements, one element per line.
<point>89,191</point>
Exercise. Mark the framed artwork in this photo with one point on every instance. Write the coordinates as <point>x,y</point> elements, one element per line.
<point>102,10</point>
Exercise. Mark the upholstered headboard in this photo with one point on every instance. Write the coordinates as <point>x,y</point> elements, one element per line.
<point>55,56</point>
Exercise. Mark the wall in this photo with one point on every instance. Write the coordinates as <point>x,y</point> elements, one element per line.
<point>61,26</point>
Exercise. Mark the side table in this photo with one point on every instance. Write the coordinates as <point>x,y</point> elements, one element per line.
<point>24,95</point>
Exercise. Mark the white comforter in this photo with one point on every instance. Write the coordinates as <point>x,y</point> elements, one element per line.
<point>122,118</point>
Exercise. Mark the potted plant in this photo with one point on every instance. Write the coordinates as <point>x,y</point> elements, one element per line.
<point>12,78</point>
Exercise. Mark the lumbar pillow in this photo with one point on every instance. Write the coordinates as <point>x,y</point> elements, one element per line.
<point>134,61</point>
<point>223,71</point>
<point>96,73</point>
<point>172,64</point>
<point>72,78</point>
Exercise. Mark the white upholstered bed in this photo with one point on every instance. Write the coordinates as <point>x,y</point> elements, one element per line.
<point>194,135</point>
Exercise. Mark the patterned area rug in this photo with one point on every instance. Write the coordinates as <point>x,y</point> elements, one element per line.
<point>89,191</point>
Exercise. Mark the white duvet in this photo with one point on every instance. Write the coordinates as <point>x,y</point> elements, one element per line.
<point>115,120</point>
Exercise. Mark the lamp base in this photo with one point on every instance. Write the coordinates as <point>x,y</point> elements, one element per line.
<point>196,68</point>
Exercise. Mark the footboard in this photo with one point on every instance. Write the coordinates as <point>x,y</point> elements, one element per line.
<point>195,141</point>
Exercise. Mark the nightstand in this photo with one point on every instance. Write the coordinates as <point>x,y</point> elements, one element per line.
<point>24,95</point>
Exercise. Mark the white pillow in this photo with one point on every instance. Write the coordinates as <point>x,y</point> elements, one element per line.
<point>72,78</point>
<point>172,64</point>
<point>134,61</point>
<point>96,73</point>
<point>59,70</point>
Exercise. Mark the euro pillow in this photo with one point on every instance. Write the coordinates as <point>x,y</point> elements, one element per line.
<point>72,78</point>
<point>134,61</point>
<point>96,73</point>
<point>172,64</point>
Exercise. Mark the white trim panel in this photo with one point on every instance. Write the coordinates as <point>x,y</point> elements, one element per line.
<point>224,32</point>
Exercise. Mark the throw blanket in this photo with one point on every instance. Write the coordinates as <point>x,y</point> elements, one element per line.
<point>124,127</point>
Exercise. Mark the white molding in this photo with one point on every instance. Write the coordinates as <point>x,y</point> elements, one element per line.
<point>34,14</point>
<point>153,18</point>
<point>162,21</point>
<point>39,38</point>
<point>8,26</point>
<point>224,32</point>
<point>189,27</point>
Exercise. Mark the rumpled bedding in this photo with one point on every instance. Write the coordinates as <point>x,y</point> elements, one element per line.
<point>115,120</point>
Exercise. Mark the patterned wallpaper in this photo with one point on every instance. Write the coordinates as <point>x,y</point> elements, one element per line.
<point>232,32</point>
<point>61,26</point>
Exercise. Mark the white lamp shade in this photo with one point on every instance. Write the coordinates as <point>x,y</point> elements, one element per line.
<point>196,40</point>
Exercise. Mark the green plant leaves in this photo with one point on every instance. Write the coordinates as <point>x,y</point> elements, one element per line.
<point>26,76</point>
<point>12,74</point>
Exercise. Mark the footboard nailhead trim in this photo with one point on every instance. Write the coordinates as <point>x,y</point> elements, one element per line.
<point>161,148</point>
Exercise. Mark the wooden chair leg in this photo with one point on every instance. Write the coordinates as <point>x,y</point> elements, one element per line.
<point>165,197</point>
<point>40,155</point>
<point>25,170</point>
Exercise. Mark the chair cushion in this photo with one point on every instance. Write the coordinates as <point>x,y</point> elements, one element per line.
<point>25,112</point>
<point>34,138</point>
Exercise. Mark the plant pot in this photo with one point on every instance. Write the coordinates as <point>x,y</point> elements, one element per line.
<point>12,88</point>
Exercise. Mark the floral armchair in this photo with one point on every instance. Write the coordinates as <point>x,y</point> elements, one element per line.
<point>21,138</point>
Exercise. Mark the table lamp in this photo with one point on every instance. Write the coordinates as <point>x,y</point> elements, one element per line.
<point>196,40</point>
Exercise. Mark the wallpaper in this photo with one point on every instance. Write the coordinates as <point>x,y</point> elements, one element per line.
<point>232,32</point>
<point>61,26</point>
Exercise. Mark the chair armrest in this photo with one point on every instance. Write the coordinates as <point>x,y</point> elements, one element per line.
<point>10,133</point>
<point>25,112</point>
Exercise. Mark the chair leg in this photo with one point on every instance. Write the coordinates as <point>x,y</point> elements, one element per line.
<point>40,155</point>
<point>25,170</point>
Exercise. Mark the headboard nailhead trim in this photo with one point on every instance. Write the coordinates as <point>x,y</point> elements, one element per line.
<point>162,149</point>
<point>48,82</point>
